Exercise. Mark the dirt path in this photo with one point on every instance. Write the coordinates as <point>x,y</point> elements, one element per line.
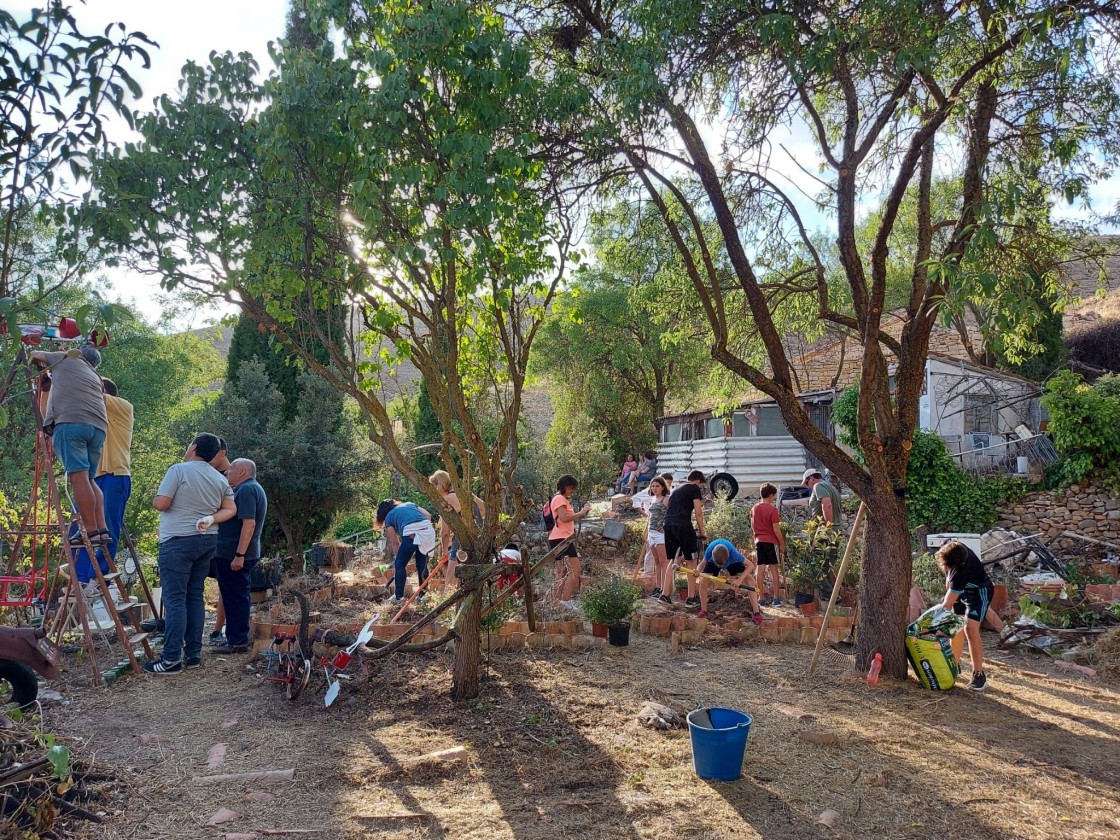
<point>555,753</point>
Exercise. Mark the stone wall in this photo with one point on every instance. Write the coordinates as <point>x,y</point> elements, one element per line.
<point>1088,510</point>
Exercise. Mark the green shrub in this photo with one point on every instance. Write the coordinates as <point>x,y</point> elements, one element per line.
<point>731,522</point>
<point>928,575</point>
<point>610,601</point>
<point>1085,427</point>
<point>351,524</point>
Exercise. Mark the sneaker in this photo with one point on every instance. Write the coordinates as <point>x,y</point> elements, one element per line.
<point>664,599</point>
<point>777,602</point>
<point>702,614</point>
<point>656,593</point>
<point>227,649</point>
<point>694,601</point>
<point>163,667</point>
<point>979,681</point>
<point>395,602</point>
<point>217,638</point>
<point>757,619</point>
<point>192,662</point>
<point>766,602</point>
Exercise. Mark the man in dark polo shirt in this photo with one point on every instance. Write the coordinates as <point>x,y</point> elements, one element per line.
<point>238,550</point>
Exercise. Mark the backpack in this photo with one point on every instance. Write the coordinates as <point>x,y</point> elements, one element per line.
<point>549,519</point>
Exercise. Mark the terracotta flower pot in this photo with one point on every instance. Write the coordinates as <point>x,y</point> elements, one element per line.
<point>999,598</point>
<point>682,592</point>
<point>599,631</point>
<point>809,608</point>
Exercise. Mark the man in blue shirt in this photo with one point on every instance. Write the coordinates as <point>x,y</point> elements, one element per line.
<point>722,556</point>
<point>238,551</point>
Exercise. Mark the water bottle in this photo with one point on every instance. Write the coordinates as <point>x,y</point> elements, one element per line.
<point>876,667</point>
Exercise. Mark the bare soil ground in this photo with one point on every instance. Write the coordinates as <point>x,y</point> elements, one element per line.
<point>555,752</point>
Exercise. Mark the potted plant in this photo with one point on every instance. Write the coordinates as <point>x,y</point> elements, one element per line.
<point>609,604</point>
<point>680,583</point>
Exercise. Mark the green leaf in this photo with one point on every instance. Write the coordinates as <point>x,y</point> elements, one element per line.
<point>59,757</point>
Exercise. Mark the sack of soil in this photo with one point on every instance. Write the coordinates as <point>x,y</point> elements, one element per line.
<point>929,647</point>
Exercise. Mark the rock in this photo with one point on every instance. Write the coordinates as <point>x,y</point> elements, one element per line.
<point>1087,525</point>
<point>51,696</point>
<point>657,716</point>
<point>828,818</point>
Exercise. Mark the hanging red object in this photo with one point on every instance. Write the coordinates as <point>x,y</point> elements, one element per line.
<point>99,338</point>
<point>68,328</point>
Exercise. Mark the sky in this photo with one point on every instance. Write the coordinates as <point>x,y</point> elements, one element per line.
<point>190,30</point>
<point>184,31</point>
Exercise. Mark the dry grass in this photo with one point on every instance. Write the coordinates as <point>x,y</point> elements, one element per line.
<point>556,753</point>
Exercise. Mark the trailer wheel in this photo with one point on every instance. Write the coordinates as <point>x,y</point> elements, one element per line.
<point>724,486</point>
<point>18,684</point>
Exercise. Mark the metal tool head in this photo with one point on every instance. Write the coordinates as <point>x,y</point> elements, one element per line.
<point>332,693</point>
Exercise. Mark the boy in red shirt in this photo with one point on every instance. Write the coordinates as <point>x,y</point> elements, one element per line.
<point>769,541</point>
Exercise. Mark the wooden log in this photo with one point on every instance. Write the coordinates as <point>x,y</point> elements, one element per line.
<point>253,776</point>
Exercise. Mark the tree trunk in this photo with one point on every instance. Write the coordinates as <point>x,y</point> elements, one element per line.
<point>468,648</point>
<point>884,585</point>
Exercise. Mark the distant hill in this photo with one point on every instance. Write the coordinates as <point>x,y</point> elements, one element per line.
<point>405,379</point>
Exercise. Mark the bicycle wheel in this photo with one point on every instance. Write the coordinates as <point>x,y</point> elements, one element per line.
<point>301,673</point>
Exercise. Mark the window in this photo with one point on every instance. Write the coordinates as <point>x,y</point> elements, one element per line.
<point>770,423</point>
<point>713,427</point>
<point>740,425</point>
<point>671,432</point>
<point>978,413</point>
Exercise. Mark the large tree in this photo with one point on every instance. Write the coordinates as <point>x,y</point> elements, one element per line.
<point>687,97</point>
<point>401,181</point>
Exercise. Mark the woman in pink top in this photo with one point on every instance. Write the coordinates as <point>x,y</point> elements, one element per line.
<point>567,564</point>
<point>628,467</point>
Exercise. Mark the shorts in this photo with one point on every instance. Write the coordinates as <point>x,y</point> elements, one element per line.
<point>570,551</point>
<point>213,573</point>
<point>734,569</point>
<point>656,538</point>
<point>767,553</point>
<point>976,601</point>
<point>78,447</point>
<point>680,537</point>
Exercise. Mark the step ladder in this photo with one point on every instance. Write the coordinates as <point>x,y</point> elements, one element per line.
<point>79,607</point>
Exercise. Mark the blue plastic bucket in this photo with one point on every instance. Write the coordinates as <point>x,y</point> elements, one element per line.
<point>717,750</point>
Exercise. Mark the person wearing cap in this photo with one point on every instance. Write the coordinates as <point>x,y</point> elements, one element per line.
<point>192,500</point>
<point>825,500</point>
<point>77,421</point>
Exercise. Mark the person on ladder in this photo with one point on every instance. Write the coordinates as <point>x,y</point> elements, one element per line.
<point>77,420</point>
<point>114,477</point>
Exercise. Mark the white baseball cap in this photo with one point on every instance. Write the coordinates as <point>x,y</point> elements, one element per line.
<point>809,473</point>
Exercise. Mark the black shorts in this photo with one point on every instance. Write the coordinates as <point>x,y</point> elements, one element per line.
<point>976,601</point>
<point>680,536</point>
<point>767,554</point>
<point>711,568</point>
<point>570,551</point>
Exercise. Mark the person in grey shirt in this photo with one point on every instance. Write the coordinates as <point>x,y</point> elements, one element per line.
<point>77,421</point>
<point>192,500</point>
